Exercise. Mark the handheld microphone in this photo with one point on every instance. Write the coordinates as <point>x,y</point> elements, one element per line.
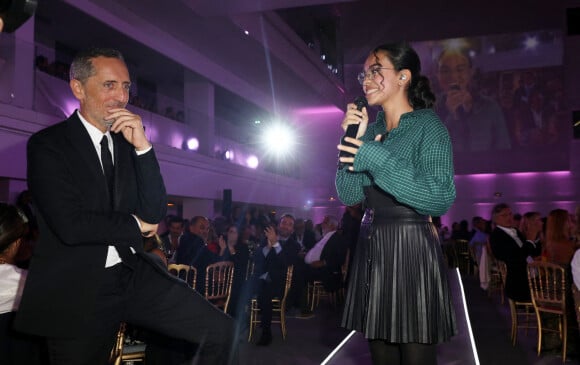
<point>351,131</point>
<point>460,109</point>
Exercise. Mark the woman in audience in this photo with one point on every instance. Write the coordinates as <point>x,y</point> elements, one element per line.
<point>239,253</point>
<point>15,348</point>
<point>560,249</point>
<point>559,246</point>
<point>401,167</point>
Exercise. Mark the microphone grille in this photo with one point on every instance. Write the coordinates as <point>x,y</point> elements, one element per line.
<point>361,102</point>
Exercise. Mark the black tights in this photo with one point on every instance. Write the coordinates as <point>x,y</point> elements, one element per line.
<point>386,353</point>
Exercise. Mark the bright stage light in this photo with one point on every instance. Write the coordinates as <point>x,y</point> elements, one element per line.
<point>192,144</point>
<point>278,139</point>
<point>252,162</point>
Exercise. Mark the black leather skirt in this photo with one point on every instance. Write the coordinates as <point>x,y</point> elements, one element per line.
<point>398,289</point>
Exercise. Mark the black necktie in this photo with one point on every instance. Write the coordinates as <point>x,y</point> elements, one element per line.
<point>107,160</point>
<point>108,168</point>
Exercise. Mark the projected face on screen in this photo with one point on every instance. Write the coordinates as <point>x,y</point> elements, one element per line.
<point>501,100</point>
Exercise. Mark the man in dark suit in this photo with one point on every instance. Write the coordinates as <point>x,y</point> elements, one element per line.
<point>96,198</point>
<point>304,237</point>
<point>193,250</point>
<point>512,247</point>
<point>327,256</point>
<point>170,239</point>
<point>271,261</point>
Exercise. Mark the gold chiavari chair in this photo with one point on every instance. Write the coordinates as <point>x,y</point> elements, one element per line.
<point>548,290</point>
<point>218,283</point>
<point>185,272</point>
<point>119,353</point>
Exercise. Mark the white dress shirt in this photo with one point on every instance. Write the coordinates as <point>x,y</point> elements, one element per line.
<point>316,251</point>
<point>12,279</point>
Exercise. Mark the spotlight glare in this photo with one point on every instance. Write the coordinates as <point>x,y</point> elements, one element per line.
<point>252,162</point>
<point>192,144</point>
<point>279,139</point>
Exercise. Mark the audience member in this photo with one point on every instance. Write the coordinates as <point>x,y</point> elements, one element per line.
<point>559,247</point>
<point>462,231</point>
<point>304,237</point>
<point>271,260</point>
<point>327,256</point>
<point>480,237</point>
<point>154,246</point>
<point>170,239</point>
<point>193,250</point>
<point>15,347</point>
<point>535,122</point>
<point>509,245</point>
<point>239,253</point>
<point>532,226</point>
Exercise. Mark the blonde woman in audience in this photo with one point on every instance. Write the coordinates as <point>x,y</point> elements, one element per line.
<point>559,247</point>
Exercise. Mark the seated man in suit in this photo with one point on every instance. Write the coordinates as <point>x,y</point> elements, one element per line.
<point>193,250</point>
<point>271,261</point>
<point>510,246</point>
<point>327,256</point>
<point>170,239</point>
<point>303,236</point>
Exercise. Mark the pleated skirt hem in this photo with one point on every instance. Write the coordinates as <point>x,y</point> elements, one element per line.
<point>398,289</point>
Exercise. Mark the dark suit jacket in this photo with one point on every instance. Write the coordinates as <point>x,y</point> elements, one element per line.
<point>504,248</point>
<point>308,240</point>
<point>77,224</point>
<point>334,254</point>
<point>276,264</point>
<point>193,251</point>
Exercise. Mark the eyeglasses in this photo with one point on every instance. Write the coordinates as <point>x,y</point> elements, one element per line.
<point>371,73</point>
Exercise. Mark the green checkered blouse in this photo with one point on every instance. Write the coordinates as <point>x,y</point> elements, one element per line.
<point>414,164</point>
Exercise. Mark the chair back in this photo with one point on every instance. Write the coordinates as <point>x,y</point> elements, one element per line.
<point>185,272</point>
<point>218,283</point>
<point>288,283</point>
<point>547,282</point>
<point>547,286</point>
